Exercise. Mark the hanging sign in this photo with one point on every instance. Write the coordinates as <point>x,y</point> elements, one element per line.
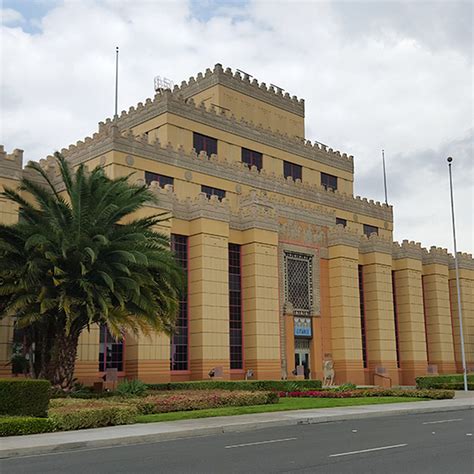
<point>303,327</point>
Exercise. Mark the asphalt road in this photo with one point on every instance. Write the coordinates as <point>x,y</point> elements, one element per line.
<point>427,443</point>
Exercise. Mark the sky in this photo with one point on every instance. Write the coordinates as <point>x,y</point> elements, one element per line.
<point>374,75</point>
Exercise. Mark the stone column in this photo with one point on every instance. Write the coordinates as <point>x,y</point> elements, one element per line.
<point>439,329</point>
<point>346,340</point>
<point>209,287</point>
<point>376,258</point>
<point>466,280</point>
<point>260,303</point>
<point>410,313</point>
<point>260,308</point>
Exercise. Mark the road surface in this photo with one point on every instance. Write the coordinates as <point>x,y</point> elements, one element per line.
<point>425,443</point>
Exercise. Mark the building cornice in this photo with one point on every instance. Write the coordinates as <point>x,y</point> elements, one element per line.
<point>340,235</point>
<point>436,255</point>
<point>374,244</point>
<point>407,249</point>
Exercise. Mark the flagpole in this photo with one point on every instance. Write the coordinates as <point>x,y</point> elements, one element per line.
<point>384,177</point>
<point>458,288</point>
<point>116,81</point>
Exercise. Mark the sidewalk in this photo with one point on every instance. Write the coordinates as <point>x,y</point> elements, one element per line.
<point>153,432</point>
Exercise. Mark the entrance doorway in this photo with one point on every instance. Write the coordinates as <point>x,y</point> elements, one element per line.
<point>302,360</point>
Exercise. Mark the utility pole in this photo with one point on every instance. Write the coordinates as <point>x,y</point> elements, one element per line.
<point>458,288</point>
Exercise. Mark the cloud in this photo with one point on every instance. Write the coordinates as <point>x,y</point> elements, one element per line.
<point>393,75</point>
<point>9,16</point>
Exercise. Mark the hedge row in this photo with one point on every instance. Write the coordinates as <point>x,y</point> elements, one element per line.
<point>22,425</point>
<point>24,397</point>
<point>201,401</point>
<point>253,385</point>
<point>449,382</point>
<point>432,394</point>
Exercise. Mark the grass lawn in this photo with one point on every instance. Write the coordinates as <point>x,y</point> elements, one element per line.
<point>283,405</point>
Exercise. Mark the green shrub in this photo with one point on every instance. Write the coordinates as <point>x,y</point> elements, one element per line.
<point>345,387</point>
<point>450,382</point>
<point>22,425</point>
<point>67,418</point>
<point>131,388</point>
<point>252,385</point>
<point>24,397</point>
<point>199,400</point>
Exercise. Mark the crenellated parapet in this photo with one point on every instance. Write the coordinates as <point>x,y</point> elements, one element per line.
<point>11,164</point>
<point>436,255</point>
<point>374,243</point>
<point>168,102</point>
<point>407,249</point>
<point>240,83</point>
<point>465,261</point>
<point>109,138</point>
<point>340,235</point>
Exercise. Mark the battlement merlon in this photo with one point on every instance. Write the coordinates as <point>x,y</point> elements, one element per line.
<point>11,164</point>
<point>240,82</point>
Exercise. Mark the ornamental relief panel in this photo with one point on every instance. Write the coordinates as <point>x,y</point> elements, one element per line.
<point>301,232</point>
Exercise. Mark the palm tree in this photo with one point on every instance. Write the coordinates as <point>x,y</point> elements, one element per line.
<point>76,258</point>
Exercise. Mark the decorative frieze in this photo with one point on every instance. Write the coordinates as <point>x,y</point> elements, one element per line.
<point>11,164</point>
<point>340,235</point>
<point>436,255</point>
<point>375,243</point>
<point>407,249</point>
<point>465,261</point>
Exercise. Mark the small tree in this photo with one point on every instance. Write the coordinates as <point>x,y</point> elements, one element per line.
<point>76,258</point>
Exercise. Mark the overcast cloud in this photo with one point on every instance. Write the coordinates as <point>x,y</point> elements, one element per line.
<point>393,75</point>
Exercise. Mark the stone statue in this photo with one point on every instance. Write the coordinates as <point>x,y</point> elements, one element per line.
<point>328,373</point>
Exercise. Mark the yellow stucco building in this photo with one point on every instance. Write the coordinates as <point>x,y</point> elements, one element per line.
<point>286,267</point>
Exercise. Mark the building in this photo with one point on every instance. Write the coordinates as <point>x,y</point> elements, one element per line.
<point>286,267</point>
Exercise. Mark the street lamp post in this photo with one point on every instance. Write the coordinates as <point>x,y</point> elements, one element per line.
<point>458,288</point>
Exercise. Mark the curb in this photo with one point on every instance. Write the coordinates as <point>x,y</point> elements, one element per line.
<point>197,432</point>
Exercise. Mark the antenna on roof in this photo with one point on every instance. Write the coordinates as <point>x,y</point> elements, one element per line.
<point>116,81</point>
<point>162,83</point>
<point>384,176</point>
<point>244,73</point>
<point>278,88</point>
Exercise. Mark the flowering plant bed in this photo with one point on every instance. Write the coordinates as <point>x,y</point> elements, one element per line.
<point>432,394</point>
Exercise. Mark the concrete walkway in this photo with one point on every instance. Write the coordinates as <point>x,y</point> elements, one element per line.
<point>154,432</point>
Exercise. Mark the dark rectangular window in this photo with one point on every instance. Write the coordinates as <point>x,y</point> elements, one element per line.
<point>204,143</point>
<point>235,308</point>
<point>329,181</point>
<point>220,193</point>
<point>362,316</point>
<point>161,179</point>
<point>179,339</point>
<point>110,350</point>
<point>341,221</point>
<point>293,170</point>
<point>252,158</point>
<point>395,319</point>
<point>370,229</point>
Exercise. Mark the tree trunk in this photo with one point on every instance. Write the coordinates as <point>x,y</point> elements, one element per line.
<point>58,358</point>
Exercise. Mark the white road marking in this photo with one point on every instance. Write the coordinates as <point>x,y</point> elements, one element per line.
<point>468,434</point>
<point>368,450</point>
<point>441,421</point>
<point>259,442</point>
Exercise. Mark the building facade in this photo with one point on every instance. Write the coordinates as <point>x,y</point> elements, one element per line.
<point>286,267</point>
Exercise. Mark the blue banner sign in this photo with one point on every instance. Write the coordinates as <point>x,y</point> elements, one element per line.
<point>303,327</point>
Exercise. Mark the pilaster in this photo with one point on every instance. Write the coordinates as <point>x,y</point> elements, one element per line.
<point>345,306</point>
<point>466,283</point>
<point>260,303</point>
<point>208,296</point>
<point>376,259</point>
<point>407,265</point>
<point>439,329</point>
